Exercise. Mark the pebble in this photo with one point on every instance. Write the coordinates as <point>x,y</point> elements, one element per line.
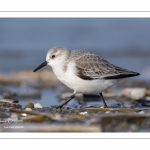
<point>102,106</point>
<point>83,113</point>
<point>14,115</point>
<point>28,109</point>
<point>38,105</point>
<point>147,98</point>
<point>23,114</point>
<point>133,127</point>
<point>29,105</point>
<point>107,112</point>
<point>134,93</point>
<point>141,112</point>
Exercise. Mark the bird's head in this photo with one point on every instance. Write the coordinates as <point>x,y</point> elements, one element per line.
<point>55,57</point>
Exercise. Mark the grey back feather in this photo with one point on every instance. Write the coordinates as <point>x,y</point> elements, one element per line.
<point>92,66</point>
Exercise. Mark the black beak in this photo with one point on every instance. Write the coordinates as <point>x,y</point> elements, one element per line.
<point>41,66</point>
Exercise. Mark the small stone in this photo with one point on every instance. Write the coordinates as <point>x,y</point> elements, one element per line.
<point>28,109</point>
<point>38,105</point>
<point>102,107</point>
<point>83,113</point>
<point>23,114</point>
<point>14,115</point>
<point>29,105</point>
<point>147,98</point>
<point>141,112</point>
<point>134,93</point>
<point>133,127</point>
<point>107,112</point>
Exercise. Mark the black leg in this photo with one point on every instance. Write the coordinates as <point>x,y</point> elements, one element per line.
<point>103,100</point>
<point>71,97</point>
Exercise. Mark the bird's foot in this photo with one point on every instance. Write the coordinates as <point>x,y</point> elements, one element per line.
<point>60,106</point>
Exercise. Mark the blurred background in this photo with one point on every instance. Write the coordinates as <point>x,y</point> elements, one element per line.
<point>24,43</point>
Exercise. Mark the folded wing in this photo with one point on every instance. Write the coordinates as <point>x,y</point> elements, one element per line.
<point>91,66</point>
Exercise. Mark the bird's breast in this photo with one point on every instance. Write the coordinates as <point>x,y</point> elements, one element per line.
<point>71,80</point>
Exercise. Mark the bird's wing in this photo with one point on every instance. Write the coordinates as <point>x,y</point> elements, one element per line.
<point>91,66</point>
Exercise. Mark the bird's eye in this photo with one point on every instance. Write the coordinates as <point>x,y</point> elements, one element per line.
<point>53,56</point>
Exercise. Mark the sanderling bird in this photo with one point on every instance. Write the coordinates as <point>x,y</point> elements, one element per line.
<point>83,71</point>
